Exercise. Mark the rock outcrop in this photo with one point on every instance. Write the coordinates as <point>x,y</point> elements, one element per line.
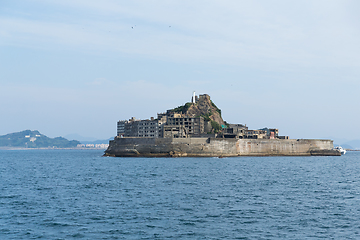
<point>206,108</point>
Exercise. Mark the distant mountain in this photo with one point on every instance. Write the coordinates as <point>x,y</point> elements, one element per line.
<point>348,144</point>
<point>354,143</point>
<point>34,139</point>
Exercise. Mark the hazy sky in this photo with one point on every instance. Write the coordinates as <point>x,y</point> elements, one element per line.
<point>71,67</point>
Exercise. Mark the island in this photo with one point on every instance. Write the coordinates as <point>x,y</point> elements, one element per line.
<point>34,139</point>
<point>197,129</point>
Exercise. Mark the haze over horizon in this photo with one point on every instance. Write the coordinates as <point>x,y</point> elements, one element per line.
<point>78,67</point>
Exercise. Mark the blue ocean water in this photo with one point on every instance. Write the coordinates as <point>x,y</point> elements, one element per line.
<point>77,194</point>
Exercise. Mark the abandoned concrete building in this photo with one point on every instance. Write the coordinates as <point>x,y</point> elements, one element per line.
<point>165,126</point>
<point>179,125</point>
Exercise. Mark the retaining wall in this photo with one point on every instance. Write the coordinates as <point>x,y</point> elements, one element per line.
<point>217,147</point>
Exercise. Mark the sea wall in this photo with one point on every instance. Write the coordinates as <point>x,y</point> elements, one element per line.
<point>286,147</point>
<point>217,147</point>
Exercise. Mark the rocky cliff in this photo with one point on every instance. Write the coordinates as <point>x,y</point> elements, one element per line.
<point>206,108</point>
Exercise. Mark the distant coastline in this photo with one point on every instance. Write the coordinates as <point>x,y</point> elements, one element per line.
<point>50,148</point>
<point>28,139</point>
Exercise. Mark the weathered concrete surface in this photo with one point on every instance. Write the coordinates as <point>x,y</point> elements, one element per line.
<point>218,147</point>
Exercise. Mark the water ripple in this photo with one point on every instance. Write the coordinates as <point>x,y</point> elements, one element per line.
<point>53,194</point>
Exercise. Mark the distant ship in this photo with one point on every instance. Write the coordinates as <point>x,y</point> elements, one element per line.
<point>339,148</point>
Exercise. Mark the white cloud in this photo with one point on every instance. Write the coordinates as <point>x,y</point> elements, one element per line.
<point>256,33</point>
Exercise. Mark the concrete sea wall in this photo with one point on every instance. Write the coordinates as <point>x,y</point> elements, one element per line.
<point>218,147</point>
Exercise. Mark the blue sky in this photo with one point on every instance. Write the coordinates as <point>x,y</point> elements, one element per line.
<point>77,67</point>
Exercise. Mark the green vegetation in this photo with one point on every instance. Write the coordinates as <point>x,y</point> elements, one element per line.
<point>202,112</point>
<point>34,139</point>
<point>182,109</point>
<point>217,109</point>
<point>207,116</point>
<point>216,126</point>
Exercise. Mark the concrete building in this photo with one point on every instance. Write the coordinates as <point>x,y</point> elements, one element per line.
<point>142,128</point>
<point>138,128</point>
<point>172,125</point>
<point>242,132</point>
<point>121,128</point>
<point>190,125</point>
<point>235,131</point>
<point>254,134</point>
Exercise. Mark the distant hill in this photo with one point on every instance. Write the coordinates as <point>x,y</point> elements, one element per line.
<point>34,139</point>
<point>355,144</point>
<point>345,146</point>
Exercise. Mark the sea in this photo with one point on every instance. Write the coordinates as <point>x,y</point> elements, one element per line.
<point>79,194</point>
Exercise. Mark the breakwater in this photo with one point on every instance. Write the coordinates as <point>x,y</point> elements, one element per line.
<point>218,147</point>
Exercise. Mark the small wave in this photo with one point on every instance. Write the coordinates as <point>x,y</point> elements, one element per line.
<point>9,196</point>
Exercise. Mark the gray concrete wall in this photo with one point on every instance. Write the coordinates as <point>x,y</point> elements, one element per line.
<point>255,147</point>
<point>217,147</point>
